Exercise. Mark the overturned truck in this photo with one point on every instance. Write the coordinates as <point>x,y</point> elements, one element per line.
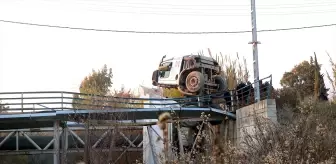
<point>192,75</point>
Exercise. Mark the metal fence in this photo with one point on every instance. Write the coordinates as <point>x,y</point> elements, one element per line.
<point>57,100</point>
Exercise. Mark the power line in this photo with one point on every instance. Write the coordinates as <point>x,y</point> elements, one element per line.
<point>209,4</point>
<point>215,14</point>
<point>165,32</point>
<point>189,7</point>
<point>185,10</point>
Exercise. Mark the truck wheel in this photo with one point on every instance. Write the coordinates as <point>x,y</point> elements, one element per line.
<point>195,81</point>
<point>221,83</point>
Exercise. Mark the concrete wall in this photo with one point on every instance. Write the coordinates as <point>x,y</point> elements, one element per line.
<point>246,115</point>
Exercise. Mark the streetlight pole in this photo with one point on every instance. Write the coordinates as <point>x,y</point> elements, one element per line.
<point>255,43</point>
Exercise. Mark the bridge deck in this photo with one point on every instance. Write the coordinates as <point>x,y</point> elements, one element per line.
<point>46,119</point>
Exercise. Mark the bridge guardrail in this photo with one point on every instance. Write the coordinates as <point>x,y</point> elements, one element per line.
<point>61,100</point>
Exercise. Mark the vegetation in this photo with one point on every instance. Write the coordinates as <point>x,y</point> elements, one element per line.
<point>332,79</point>
<point>233,70</point>
<point>305,132</point>
<point>303,81</point>
<point>95,92</point>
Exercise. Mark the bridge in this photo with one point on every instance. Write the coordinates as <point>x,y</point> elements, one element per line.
<point>58,123</point>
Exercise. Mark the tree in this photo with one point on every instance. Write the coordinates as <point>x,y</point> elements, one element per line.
<point>125,99</point>
<point>96,83</point>
<point>303,76</point>
<point>320,90</point>
<point>95,93</point>
<point>304,80</point>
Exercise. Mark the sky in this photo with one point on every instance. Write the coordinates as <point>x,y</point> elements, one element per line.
<point>42,59</point>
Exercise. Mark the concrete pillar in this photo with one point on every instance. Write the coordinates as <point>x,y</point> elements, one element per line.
<point>245,116</point>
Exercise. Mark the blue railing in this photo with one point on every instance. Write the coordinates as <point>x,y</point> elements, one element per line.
<point>60,100</point>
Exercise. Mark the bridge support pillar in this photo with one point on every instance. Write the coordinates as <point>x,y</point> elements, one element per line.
<point>65,144</point>
<point>56,142</point>
<point>246,117</point>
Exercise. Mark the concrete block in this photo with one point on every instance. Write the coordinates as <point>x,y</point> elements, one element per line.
<point>270,102</point>
<point>246,121</point>
<point>271,113</point>
<point>246,115</point>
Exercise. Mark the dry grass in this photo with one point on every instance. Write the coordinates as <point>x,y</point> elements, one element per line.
<point>332,78</point>
<point>308,137</point>
<point>233,70</point>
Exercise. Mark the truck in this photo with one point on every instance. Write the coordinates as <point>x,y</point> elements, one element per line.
<point>192,75</point>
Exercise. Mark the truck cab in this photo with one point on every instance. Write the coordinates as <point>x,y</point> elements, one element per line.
<point>169,71</point>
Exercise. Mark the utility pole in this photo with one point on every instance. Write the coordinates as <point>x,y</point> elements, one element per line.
<point>255,43</point>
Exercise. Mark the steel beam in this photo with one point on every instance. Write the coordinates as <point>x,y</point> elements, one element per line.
<point>17,140</point>
<point>76,128</point>
<point>64,145</point>
<point>76,136</point>
<point>129,141</point>
<point>129,146</point>
<point>6,138</point>
<point>56,143</point>
<point>30,152</point>
<point>87,143</point>
<point>31,141</point>
<point>100,138</point>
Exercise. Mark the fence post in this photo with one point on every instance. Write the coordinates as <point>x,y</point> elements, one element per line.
<point>269,94</point>
<point>62,100</point>
<point>232,100</point>
<point>22,102</point>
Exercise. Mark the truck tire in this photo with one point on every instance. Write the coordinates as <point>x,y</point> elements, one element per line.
<point>194,81</point>
<point>221,83</point>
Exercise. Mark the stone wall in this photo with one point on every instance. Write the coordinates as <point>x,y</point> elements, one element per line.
<point>246,115</point>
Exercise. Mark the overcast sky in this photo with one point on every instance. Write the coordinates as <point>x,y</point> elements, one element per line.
<point>40,58</point>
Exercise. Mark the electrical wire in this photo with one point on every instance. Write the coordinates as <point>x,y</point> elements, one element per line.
<point>172,4</point>
<point>215,7</point>
<point>189,11</point>
<point>212,14</point>
<point>169,9</point>
<point>165,32</point>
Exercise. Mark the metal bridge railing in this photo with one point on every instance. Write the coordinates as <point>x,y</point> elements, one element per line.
<point>59,100</point>
<point>243,95</point>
